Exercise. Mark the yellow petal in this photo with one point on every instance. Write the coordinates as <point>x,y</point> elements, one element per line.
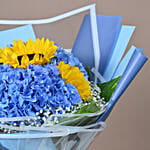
<point>30,46</point>
<point>24,61</point>
<point>35,59</point>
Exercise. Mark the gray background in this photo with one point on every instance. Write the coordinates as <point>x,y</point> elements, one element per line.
<point>128,124</point>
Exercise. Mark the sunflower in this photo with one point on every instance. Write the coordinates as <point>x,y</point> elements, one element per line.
<point>73,75</point>
<point>21,55</point>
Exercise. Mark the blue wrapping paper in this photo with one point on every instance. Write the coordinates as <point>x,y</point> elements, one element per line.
<point>123,64</point>
<point>20,33</point>
<point>108,31</point>
<point>120,47</point>
<point>135,64</point>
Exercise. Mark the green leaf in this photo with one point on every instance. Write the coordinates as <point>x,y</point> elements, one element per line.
<point>108,88</point>
<point>92,107</point>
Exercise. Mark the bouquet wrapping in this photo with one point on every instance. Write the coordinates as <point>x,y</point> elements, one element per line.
<point>49,99</point>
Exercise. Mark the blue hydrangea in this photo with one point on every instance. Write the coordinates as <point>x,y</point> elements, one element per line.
<point>23,92</point>
<point>68,58</point>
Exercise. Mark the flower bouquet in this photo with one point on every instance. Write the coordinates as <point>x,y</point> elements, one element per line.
<point>43,85</point>
<point>50,100</point>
